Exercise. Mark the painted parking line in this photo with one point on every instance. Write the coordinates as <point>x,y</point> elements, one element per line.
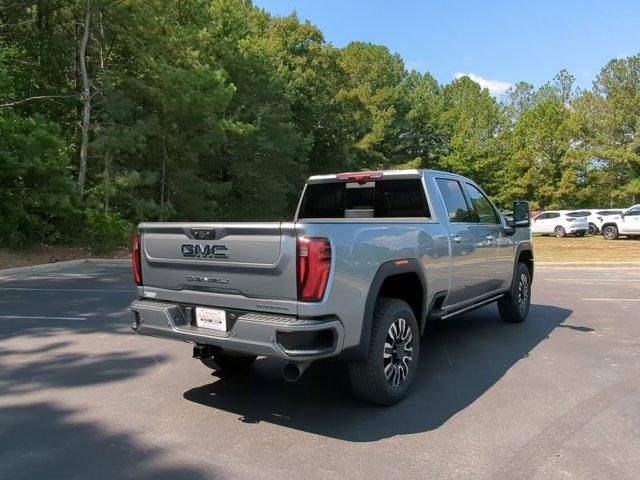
<point>37,317</point>
<point>612,299</point>
<point>600,279</point>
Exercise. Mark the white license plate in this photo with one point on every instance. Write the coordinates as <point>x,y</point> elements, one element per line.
<point>211,318</point>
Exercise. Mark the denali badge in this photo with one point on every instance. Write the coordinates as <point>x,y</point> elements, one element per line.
<point>204,279</point>
<point>206,251</point>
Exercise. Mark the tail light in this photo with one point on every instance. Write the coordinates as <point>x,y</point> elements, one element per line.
<point>136,259</point>
<point>314,266</point>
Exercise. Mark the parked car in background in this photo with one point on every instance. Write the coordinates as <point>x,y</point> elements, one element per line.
<point>559,224</point>
<point>594,217</point>
<point>627,223</point>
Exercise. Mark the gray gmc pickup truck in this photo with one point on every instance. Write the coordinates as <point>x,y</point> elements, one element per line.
<point>369,260</point>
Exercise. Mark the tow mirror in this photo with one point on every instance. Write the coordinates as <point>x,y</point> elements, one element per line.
<point>521,214</point>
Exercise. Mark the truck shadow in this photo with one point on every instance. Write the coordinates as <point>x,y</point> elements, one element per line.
<point>43,440</point>
<point>460,360</point>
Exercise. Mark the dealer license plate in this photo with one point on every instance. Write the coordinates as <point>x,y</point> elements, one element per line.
<point>211,318</point>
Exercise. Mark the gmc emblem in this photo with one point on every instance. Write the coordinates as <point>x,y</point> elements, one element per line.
<point>205,251</point>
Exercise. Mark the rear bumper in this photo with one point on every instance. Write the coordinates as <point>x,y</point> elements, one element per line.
<point>252,333</point>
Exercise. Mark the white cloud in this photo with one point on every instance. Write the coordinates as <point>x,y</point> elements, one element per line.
<point>496,87</point>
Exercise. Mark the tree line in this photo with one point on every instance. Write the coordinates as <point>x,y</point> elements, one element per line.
<point>118,111</point>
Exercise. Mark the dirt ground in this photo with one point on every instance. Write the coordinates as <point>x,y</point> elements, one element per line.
<point>586,249</point>
<point>37,255</point>
<point>547,249</point>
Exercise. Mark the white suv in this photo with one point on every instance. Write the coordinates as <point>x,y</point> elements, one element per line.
<point>627,223</point>
<point>560,224</point>
<point>595,217</point>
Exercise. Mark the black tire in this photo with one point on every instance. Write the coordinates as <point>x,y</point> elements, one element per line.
<point>581,233</point>
<point>560,231</point>
<point>228,363</point>
<point>514,306</point>
<point>610,232</point>
<point>385,375</point>
<point>592,229</point>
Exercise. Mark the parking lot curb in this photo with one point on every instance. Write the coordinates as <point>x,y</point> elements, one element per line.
<point>52,267</point>
<point>590,264</point>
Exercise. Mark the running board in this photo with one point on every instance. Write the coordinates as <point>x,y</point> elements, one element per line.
<point>442,314</point>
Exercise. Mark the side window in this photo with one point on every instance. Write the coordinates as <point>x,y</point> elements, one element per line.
<point>542,216</point>
<point>554,215</point>
<point>456,204</point>
<point>633,211</point>
<point>484,211</point>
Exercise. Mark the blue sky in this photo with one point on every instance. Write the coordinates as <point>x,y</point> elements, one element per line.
<point>498,42</point>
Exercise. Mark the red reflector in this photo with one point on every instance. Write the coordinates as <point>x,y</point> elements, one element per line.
<point>136,260</point>
<point>314,266</point>
<point>401,262</point>
<point>360,177</point>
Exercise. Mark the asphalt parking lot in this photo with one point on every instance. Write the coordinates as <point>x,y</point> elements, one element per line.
<point>81,396</point>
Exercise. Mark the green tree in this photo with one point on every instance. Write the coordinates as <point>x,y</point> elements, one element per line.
<point>538,169</point>
<point>471,119</point>
<point>371,93</point>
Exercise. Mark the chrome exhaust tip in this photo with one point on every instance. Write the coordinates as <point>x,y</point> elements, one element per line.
<point>292,371</point>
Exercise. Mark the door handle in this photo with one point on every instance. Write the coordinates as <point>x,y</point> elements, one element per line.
<point>456,239</point>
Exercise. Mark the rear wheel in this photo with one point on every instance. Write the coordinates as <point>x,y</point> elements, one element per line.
<point>580,233</point>
<point>559,231</point>
<point>592,229</point>
<point>610,232</point>
<point>230,363</point>
<point>514,306</point>
<point>385,375</point>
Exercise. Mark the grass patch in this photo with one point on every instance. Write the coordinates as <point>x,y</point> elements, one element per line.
<point>586,249</point>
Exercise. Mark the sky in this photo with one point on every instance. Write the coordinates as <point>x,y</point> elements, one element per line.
<point>496,43</point>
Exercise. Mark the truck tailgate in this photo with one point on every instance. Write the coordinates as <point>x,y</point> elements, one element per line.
<point>235,265</point>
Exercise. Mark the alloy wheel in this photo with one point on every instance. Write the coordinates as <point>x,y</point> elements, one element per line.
<point>523,292</point>
<point>398,352</point>
<point>609,233</point>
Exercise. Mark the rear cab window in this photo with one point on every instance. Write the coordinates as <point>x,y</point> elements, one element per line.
<point>392,198</point>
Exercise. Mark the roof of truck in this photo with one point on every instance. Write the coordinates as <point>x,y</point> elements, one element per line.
<point>415,173</point>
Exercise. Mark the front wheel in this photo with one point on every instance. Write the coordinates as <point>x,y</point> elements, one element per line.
<point>514,306</point>
<point>385,375</point>
<point>610,232</point>
<point>592,229</point>
<point>580,233</point>
<point>559,231</point>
